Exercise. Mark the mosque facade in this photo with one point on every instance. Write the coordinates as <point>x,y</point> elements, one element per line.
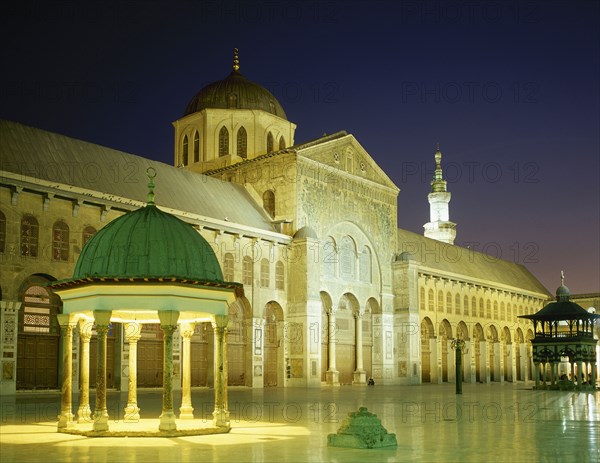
<point>332,291</point>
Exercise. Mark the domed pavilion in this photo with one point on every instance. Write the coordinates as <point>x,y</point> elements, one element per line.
<point>146,266</point>
<point>564,329</point>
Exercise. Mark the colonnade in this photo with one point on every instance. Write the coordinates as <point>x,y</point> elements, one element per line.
<point>169,324</point>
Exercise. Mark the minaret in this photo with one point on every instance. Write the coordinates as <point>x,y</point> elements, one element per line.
<point>439,226</point>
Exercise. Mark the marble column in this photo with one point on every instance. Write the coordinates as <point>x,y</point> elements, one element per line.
<point>360,375</point>
<point>221,412</point>
<point>84,413</point>
<point>102,320</point>
<point>332,375</point>
<point>579,374</point>
<point>593,373</point>
<point>133,333</point>
<point>168,324</point>
<point>537,375</point>
<point>65,419</point>
<point>186,411</point>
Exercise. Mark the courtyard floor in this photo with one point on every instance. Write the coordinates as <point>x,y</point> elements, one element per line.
<point>496,422</point>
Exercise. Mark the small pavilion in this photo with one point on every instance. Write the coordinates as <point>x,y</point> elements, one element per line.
<point>564,329</point>
<point>146,266</point>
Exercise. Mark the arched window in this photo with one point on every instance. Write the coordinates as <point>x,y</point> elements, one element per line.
<point>422,299</point>
<point>223,141</point>
<point>457,304</point>
<point>196,147</point>
<point>269,202</point>
<point>430,301</point>
<point>466,305</point>
<point>481,308</point>
<point>330,257</point>
<point>502,311</point>
<point>279,276</point>
<point>508,312</point>
<point>2,231</point>
<point>242,143</point>
<point>488,309</point>
<point>473,306</point>
<point>440,301</point>
<point>365,265</point>
<point>247,273</point>
<point>29,236</point>
<point>38,314</point>
<point>281,143</point>
<point>184,151</point>
<point>228,262</point>
<point>495,310</point>
<point>87,234</point>
<point>270,142</point>
<point>449,302</point>
<point>60,241</point>
<point>347,258</point>
<point>265,273</point>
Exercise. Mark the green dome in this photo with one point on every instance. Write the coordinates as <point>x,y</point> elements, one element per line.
<point>235,92</point>
<point>148,243</point>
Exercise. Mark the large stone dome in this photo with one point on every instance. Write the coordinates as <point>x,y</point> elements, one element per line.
<point>235,92</point>
<point>148,243</point>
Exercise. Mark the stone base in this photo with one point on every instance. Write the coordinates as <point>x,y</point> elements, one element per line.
<point>100,423</point>
<point>84,414</point>
<point>167,422</point>
<point>221,418</point>
<point>359,377</point>
<point>146,428</point>
<point>132,413</point>
<point>65,421</point>
<point>186,412</point>
<point>332,377</point>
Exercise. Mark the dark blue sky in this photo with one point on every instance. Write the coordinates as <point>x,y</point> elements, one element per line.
<point>510,90</point>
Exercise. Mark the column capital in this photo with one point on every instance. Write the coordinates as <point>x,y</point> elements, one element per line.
<point>220,321</point>
<point>359,314</point>
<point>85,329</point>
<point>331,310</point>
<point>132,331</point>
<point>187,329</point>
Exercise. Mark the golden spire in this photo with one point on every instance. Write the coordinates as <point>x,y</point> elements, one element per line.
<point>236,60</point>
<point>151,173</point>
<point>438,183</point>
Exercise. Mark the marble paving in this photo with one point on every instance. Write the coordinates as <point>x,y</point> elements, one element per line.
<point>496,422</point>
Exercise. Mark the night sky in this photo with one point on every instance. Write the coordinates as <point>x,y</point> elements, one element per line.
<point>510,90</point>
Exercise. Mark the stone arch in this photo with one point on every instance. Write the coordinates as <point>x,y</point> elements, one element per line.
<point>38,334</point>
<point>462,332</point>
<point>507,353</point>
<point>494,357</point>
<point>239,342</point>
<point>327,305</point>
<point>520,355</point>
<point>427,339</point>
<point>478,339</point>
<point>273,339</point>
<point>347,253</point>
<point>445,335</point>
<point>330,258</point>
<point>348,307</point>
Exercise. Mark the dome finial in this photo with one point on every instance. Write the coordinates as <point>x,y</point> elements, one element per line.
<point>151,173</point>
<point>562,278</point>
<point>236,60</point>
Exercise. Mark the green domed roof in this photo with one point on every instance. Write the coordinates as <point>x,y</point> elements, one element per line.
<point>148,243</point>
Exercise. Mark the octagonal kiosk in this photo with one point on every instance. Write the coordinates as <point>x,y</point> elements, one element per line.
<point>146,266</point>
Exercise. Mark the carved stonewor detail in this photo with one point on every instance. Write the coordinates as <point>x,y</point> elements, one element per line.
<point>362,430</point>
